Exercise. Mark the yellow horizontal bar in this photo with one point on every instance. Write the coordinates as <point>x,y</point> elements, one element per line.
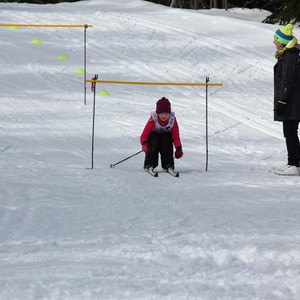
<point>155,83</point>
<point>48,25</point>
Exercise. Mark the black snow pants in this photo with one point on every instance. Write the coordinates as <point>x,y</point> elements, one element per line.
<point>290,132</point>
<point>160,143</point>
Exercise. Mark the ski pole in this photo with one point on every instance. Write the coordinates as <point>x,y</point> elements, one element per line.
<point>112,165</point>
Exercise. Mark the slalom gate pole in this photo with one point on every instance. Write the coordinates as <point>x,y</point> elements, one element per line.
<point>84,62</point>
<point>156,82</point>
<point>206,122</point>
<point>93,127</point>
<point>112,165</point>
<point>206,84</point>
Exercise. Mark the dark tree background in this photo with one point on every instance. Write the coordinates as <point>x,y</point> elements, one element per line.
<point>38,1</point>
<point>283,11</point>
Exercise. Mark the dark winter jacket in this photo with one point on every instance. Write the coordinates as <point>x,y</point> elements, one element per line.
<point>287,84</point>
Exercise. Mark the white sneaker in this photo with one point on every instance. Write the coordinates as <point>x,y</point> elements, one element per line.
<point>282,168</point>
<point>288,171</point>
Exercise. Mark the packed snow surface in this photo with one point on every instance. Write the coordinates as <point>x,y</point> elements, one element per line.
<point>70,231</point>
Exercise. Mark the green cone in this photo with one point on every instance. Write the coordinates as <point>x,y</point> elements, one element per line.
<point>14,27</point>
<point>62,57</point>
<point>80,71</point>
<point>104,93</point>
<point>37,41</point>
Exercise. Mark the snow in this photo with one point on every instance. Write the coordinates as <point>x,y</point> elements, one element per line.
<point>71,232</point>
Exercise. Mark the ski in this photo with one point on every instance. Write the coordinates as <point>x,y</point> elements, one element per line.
<point>172,173</point>
<point>151,172</point>
<point>168,171</point>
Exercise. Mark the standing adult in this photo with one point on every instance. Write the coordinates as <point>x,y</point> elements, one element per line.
<point>287,95</point>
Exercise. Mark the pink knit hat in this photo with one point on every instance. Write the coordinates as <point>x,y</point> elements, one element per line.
<point>163,105</point>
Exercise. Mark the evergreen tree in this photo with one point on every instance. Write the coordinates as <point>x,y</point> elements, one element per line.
<point>284,11</point>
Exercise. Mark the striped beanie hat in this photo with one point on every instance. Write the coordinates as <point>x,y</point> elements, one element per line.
<point>285,34</point>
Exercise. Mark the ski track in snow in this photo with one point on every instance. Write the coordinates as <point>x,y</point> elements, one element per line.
<point>70,232</point>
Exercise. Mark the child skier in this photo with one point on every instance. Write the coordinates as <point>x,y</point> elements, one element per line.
<point>160,133</point>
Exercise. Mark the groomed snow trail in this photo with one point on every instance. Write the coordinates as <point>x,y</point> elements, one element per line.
<point>71,232</point>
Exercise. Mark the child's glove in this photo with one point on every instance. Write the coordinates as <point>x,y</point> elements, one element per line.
<point>145,147</point>
<point>178,152</point>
